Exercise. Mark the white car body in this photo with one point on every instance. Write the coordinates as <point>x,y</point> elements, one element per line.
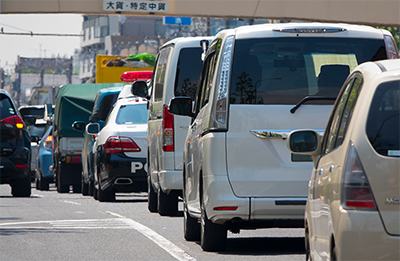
<point>165,165</point>
<point>367,153</point>
<point>122,171</point>
<point>238,172</point>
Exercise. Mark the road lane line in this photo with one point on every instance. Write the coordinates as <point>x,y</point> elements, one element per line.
<point>161,241</point>
<point>72,202</point>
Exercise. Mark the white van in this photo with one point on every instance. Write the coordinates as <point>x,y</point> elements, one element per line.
<point>259,83</point>
<point>176,73</point>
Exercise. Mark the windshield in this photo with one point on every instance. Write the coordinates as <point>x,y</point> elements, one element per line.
<point>285,70</point>
<point>132,114</point>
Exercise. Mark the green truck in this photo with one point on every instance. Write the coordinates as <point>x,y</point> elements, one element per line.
<point>74,102</point>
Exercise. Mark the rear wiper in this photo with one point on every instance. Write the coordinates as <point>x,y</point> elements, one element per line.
<point>310,98</point>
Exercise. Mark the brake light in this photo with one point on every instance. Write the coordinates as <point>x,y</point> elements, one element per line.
<point>48,143</point>
<point>168,130</point>
<point>117,144</point>
<point>13,120</point>
<point>73,159</point>
<point>356,191</point>
<point>136,76</point>
<point>21,166</point>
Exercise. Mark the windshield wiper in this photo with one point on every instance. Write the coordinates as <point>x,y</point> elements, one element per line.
<point>310,98</point>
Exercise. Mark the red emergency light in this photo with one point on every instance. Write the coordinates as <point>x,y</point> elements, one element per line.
<point>136,76</point>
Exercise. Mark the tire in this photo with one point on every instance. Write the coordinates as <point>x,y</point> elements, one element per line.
<point>95,193</point>
<point>44,184</point>
<point>61,188</point>
<point>334,254</point>
<point>85,187</point>
<point>167,204</point>
<point>191,226</point>
<point>213,236</point>
<point>77,188</point>
<point>37,183</point>
<point>106,195</point>
<point>22,187</point>
<point>307,245</point>
<point>151,197</point>
<point>91,188</point>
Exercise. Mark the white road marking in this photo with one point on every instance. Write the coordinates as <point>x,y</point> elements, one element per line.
<point>161,241</point>
<point>120,222</point>
<point>72,202</point>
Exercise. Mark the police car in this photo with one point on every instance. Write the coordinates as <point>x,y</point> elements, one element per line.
<point>120,150</point>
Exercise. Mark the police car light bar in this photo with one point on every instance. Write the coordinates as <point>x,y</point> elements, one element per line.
<point>136,76</point>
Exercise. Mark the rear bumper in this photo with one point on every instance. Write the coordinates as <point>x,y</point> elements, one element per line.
<point>250,212</point>
<point>360,235</point>
<point>170,180</point>
<point>8,166</point>
<point>45,161</point>
<point>123,174</point>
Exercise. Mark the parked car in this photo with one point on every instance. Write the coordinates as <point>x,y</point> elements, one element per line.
<point>258,83</point>
<point>36,131</point>
<point>120,150</point>
<point>15,148</point>
<point>176,73</point>
<point>103,104</point>
<point>44,171</point>
<point>353,205</point>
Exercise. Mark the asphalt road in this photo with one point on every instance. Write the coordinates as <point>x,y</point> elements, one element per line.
<point>53,226</point>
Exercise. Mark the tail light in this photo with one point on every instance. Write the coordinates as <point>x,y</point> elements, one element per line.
<point>356,191</point>
<point>12,121</point>
<point>168,130</point>
<point>117,144</point>
<point>48,143</point>
<point>73,159</point>
<point>219,120</point>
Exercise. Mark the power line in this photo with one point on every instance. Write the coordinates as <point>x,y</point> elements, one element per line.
<point>39,34</point>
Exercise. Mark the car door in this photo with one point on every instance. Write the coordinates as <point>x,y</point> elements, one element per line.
<point>330,165</point>
<point>196,130</point>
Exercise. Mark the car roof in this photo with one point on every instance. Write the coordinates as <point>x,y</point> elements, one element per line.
<point>131,100</point>
<point>288,30</point>
<point>185,41</point>
<point>379,71</point>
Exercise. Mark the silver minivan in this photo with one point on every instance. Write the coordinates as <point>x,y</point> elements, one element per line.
<point>259,83</point>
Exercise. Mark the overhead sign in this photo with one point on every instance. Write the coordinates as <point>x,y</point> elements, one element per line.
<point>135,6</point>
<point>177,20</point>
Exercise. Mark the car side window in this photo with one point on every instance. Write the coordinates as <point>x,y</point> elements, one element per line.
<point>341,115</point>
<point>159,75</point>
<point>348,111</point>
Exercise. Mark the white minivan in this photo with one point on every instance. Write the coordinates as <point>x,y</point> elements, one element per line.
<point>176,73</point>
<point>258,84</point>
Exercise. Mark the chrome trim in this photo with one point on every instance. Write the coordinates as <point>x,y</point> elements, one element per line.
<point>182,127</point>
<point>280,134</point>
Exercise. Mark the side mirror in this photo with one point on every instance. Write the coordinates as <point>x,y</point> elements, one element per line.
<point>29,120</point>
<point>306,142</point>
<point>181,106</point>
<point>92,128</point>
<point>139,88</point>
<point>79,126</point>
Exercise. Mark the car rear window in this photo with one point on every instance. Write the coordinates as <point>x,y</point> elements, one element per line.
<point>132,114</point>
<point>285,70</point>
<point>6,107</point>
<point>383,125</point>
<point>36,112</point>
<point>188,72</point>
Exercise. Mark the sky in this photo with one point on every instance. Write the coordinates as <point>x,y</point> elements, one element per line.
<point>38,46</point>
